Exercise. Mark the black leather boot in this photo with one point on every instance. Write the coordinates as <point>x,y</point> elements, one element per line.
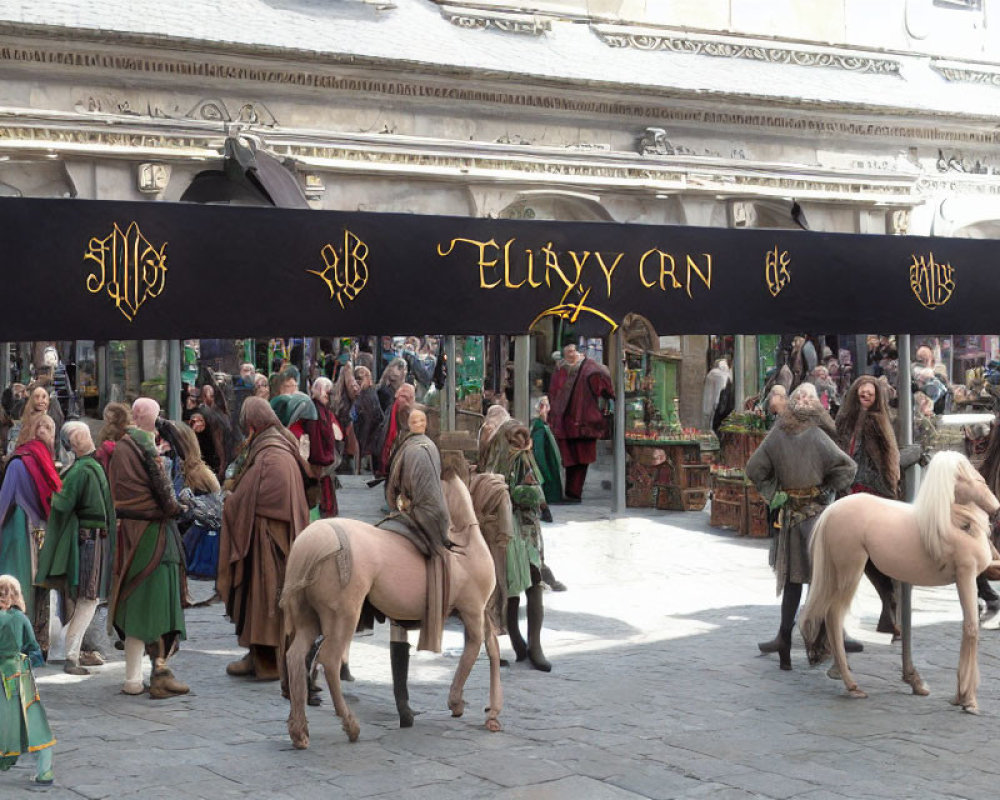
<point>514,629</point>
<point>772,646</point>
<point>399,661</point>
<point>536,613</point>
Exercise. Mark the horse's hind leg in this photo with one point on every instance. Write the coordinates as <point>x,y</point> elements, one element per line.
<point>496,690</point>
<point>835,636</point>
<point>910,674</point>
<point>472,621</point>
<point>306,631</point>
<point>337,630</point>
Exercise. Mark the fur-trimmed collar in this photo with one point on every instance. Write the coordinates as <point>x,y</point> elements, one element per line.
<point>794,422</point>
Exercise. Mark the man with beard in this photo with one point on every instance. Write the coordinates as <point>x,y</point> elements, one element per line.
<point>576,419</point>
<point>266,510</point>
<point>797,468</point>
<point>148,566</point>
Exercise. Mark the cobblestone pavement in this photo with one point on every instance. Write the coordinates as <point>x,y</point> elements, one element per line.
<point>657,690</point>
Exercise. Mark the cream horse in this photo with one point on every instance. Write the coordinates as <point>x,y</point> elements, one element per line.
<point>941,538</point>
<point>388,570</point>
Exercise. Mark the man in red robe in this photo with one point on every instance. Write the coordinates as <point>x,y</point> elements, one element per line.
<point>576,418</point>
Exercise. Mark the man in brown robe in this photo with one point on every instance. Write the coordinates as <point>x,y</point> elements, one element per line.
<point>148,568</point>
<point>266,510</point>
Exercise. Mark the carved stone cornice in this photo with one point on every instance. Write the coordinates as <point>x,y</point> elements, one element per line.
<point>964,72</point>
<point>773,52</point>
<point>199,70</point>
<point>507,22</point>
<point>186,140</point>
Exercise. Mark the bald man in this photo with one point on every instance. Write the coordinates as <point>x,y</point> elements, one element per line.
<point>148,566</point>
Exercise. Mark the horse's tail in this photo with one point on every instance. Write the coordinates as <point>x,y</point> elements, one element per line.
<point>824,590</point>
<point>309,552</point>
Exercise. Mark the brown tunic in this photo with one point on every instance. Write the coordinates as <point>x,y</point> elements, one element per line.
<point>265,512</point>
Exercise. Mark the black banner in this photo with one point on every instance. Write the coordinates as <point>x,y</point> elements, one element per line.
<point>126,270</point>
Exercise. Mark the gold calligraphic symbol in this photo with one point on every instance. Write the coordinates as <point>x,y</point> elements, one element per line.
<point>776,271</point>
<point>345,273</point>
<point>570,311</point>
<point>129,268</point>
<point>932,282</point>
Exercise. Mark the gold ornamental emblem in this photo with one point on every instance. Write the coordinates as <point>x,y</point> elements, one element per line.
<point>932,282</point>
<point>776,270</point>
<point>345,268</point>
<point>129,268</point>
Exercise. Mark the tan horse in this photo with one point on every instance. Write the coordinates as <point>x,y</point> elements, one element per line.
<point>391,573</point>
<point>941,538</point>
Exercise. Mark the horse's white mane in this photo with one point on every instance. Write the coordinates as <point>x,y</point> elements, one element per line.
<point>934,500</point>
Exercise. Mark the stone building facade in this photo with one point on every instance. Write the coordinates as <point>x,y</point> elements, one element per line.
<point>872,117</point>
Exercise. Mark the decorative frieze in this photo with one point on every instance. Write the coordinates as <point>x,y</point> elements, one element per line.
<point>959,72</point>
<point>485,20</point>
<point>806,122</point>
<point>770,52</point>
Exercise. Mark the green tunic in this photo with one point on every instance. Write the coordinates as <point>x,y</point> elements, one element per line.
<point>546,451</point>
<point>83,502</point>
<point>146,600</point>
<point>23,724</point>
<point>509,454</point>
<point>15,552</point>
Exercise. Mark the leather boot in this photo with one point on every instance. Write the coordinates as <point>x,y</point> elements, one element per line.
<point>240,668</point>
<point>399,661</point>
<point>163,684</point>
<point>514,629</point>
<point>72,667</point>
<point>536,613</point>
<point>345,672</point>
<point>772,646</point>
<point>265,663</point>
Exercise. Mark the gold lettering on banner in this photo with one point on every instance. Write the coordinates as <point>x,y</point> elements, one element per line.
<point>776,270</point>
<point>345,273</point>
<point>129,268</point>
<point>580,274</point>
<point>931,281</point>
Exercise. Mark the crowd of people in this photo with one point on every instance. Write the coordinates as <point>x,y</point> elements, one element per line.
<point>221,495</point>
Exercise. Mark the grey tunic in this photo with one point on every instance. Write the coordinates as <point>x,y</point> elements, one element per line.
<point>414,489</point>
<point>802,459</point>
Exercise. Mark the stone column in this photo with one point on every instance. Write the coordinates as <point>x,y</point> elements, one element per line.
<point>522,380</point>
<point>174,380</point>
<point>617,362</point>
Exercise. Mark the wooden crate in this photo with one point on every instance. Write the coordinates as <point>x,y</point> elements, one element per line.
<point>728,503</point>
<point>695,476</point>
<point>736,448</point>
<point>756,519</point>
<point>694,499</point>
<point>727,514</point>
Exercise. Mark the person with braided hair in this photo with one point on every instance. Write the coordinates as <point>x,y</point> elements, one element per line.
<point>505,448</point>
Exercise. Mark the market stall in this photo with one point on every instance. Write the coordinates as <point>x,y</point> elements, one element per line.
<point>736,504</point>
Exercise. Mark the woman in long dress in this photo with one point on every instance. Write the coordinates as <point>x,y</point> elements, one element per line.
<point>29,482</point>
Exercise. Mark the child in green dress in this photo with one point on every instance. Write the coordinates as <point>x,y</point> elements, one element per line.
<point>23,725</point>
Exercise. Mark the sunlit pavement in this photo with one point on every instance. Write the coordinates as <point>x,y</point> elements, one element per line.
<point>657,690</point>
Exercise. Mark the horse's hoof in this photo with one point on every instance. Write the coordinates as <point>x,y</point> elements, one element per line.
<point>971,709</point>
<point>301,743</point>
<point>493,725</point>
<point>857,693</point>
<point>457,709</point>
<point>920,689</point>
<point>406,718</point>
<point>314,699</point>
<point>352,729</point>
<point>833,673</point>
